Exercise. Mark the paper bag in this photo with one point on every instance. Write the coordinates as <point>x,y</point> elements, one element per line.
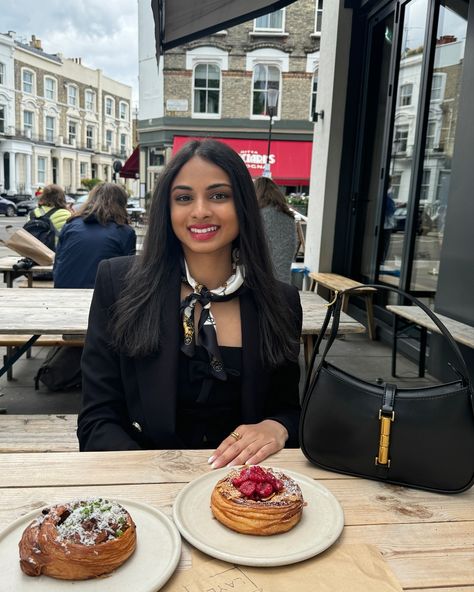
<point>358,568</point>
<point>26,245</point>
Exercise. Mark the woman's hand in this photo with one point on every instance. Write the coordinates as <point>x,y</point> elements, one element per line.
<point>257,441</point>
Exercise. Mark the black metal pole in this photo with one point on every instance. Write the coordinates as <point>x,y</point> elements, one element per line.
<point>269,140</point>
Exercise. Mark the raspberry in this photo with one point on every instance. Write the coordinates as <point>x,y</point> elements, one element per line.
<point>247,488</point>
<point>277,485</point>
<point>264,489</point>
<point>257,474</point>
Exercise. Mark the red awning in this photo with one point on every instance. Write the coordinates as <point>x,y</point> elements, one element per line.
<point>131,168</point>
<point>290,161</point>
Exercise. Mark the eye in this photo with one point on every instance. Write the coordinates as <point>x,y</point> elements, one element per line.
<point>182,198</point>
<point>219,196</point>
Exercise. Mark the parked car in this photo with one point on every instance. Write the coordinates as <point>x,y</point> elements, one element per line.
<point>7,207</point>
<point>135,211</point>
<point>80,201</point>
<point>23,208</point>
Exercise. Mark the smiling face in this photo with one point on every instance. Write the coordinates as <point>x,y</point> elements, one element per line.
<point>203,214</point>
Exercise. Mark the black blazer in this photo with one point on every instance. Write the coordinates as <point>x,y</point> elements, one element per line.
<point>130,403</point>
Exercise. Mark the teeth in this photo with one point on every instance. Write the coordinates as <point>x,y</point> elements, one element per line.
<point>204,230</point>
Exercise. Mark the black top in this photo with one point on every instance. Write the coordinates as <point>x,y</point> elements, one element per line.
<point>208,408</point>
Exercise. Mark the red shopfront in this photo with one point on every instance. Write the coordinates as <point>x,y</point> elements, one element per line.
<point>290,162</point>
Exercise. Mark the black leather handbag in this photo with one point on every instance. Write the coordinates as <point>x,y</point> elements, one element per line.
<point>416,437</point>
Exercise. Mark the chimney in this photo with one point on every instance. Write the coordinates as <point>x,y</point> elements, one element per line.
<point>36,43</point>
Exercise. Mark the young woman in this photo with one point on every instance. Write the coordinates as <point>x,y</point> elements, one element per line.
<point>100,230</point>
<point>279,225</point>
<point>51,197</point>
<point>194,344</point>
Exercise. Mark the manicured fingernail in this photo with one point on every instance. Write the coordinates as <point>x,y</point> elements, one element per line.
<point>231,464</point>
<point>211,459</point>
<point>214,466</point>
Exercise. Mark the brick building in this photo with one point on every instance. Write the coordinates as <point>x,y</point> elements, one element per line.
<point>67,121</point>
<point>218,86</point>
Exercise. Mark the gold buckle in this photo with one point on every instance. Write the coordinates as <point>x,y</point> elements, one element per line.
<point>384,439</point>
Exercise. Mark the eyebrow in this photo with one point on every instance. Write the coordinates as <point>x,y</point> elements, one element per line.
<point>188,188</point>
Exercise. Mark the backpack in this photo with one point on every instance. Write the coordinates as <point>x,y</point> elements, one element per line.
<point>43,229</point>
<point>61,370</point>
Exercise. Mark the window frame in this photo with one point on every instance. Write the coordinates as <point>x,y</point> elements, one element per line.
<point>91,137</point>
<point>25,127</point>
<point>55,88</point>
<point>112,103</point>
<point>125,105</point>
<point>280,86</point>
<point>257,29</point>
<point>123,145</point>
<point>107,131</point>
<point>33,81</point>
<point>3,73</point>
<point>40,171</point>
<point>46,128</point>
<point>89,106</point>
<point>72,122</point>
<point>314,94</point>
<point>405,139</point>
<point>441,76</point>
<point>403,96</point>
<point>3,119</point>
<point>86,166</point>
<point>71,86</point>
<point>317,9</point>
<point>206,115</point>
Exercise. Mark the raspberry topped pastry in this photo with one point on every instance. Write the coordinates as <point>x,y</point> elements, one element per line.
<point>78,540</point>
<point>259,501</point>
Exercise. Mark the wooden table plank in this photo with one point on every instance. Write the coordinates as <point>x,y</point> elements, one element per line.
<point>38,433</point>
<point>461,332</point>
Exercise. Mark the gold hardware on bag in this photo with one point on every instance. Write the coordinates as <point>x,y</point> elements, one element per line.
<point>384,441</point>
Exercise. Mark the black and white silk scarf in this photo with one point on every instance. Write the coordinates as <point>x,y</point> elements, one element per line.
<point>206,331</point>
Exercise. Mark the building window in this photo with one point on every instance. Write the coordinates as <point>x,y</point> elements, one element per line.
<point>2,119</point>
<point>72,132</point>
<point>123,143</point>
<point>83,170</point>
<point>123,107</point>
<point>314,94</point>
<point>109,106</point>
<point>2,73</point>
<point>270,22</point>
<point>437,87</point>
<point>89,137</point>
<point>264,77</point>
<point>50,89</point>
<point>207,80</point>
<point>395,181</point>
<point>430,135</point>
<point>90,100</point>
<point>108,138</point>
<point>28,123</point>
<point>72,95</point>
<point>49,128</point>
<point>41,169</point>
<point>406,94</point>
<point>425,185</point>
<point>400,140</point>
<point>155,158</point>
<point>27,82</point>
<point>318,19</point>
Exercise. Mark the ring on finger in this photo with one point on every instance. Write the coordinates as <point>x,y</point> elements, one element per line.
<point>236,436</point>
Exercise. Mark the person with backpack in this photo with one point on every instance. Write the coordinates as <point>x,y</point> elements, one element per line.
<point>47,220</point>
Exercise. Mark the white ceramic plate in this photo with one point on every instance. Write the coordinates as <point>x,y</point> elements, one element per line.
<point>320,526</point>
<point>148,569</point>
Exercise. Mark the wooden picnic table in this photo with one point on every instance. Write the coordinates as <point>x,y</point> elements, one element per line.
<point>10,274</point>
<point>426,539</point>
<point>65,312</point>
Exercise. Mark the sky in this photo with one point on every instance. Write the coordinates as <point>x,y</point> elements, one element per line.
<point>103,33</point>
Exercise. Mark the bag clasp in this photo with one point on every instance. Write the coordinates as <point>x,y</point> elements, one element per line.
<point>384,440</point>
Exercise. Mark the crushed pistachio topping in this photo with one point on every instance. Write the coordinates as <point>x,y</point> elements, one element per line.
<point>92,521</point>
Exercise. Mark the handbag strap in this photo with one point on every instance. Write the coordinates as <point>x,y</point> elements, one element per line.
<point>335,310</point>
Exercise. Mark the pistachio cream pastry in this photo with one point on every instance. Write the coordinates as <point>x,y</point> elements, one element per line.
<point>78,540</point>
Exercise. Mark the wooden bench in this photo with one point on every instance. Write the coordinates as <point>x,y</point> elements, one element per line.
<point>461,332</point>
<point>31,283</point>
<point>338,283</point>
<point>13,341</point>
<point>38,433</point>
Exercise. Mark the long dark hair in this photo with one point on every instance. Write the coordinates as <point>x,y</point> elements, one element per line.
<point>269,194</point>
<point>107,202</point>
<point>143,301</point>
